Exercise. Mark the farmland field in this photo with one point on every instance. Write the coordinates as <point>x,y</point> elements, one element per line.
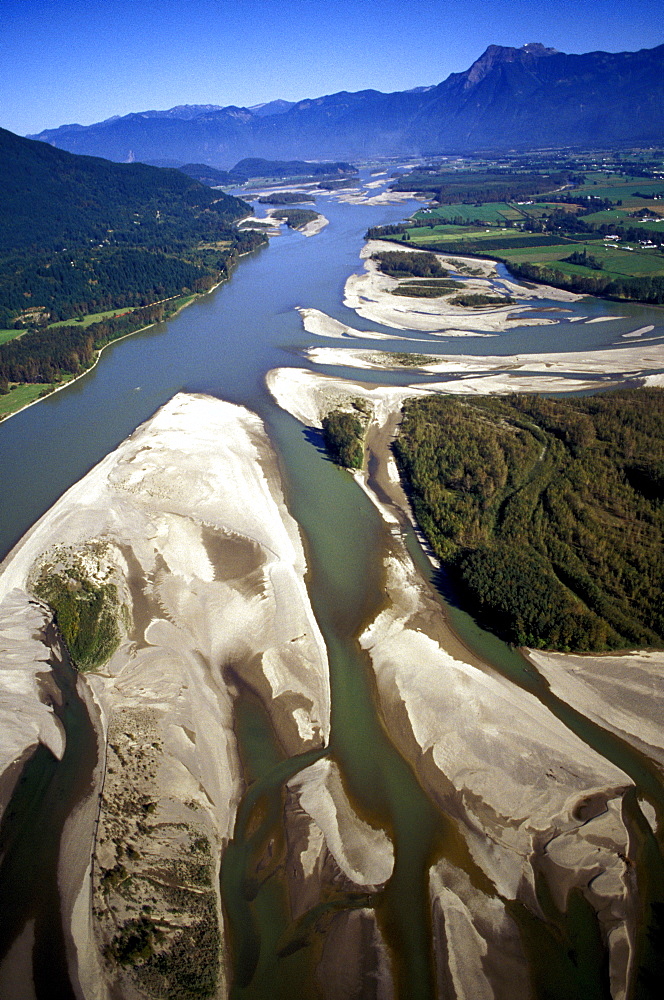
<point>19,396</point>
<point>515,246</point>
<point>605,212</point>
<point>493,213</point>
<point>91,318</point>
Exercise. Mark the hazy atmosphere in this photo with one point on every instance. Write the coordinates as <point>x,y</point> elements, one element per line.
<point>78,61</point>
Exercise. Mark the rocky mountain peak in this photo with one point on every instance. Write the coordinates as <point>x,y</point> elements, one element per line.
<point>497,54</point>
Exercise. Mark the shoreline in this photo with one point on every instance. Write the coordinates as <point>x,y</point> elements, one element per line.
<point>100,351</point>
<point>27,689</point>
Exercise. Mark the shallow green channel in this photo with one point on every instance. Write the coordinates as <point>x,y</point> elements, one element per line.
<point>344,539</point>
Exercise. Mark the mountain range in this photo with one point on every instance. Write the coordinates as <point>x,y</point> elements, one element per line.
<point>510,98</point>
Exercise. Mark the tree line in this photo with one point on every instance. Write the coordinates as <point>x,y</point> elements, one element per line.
<point>51,354</point>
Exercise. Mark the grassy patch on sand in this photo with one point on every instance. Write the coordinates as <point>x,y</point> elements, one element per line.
<point>80,588</point>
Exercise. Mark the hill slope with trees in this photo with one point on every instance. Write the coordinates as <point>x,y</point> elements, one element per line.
<point>81,235</point>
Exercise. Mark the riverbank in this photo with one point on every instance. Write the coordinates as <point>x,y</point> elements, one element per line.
<point>50,388</point>
<point>27,689</point>
<point>532,800</point>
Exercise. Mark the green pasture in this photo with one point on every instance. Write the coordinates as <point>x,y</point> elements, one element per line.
<point>508,246</point>
<point>6,335</point>
<point>621,189</point>
<point>492,212</point>
<point>90,318</point>
<point>498,239</point>
<point>614,261</point>
<point>540,208</point>
<point>436,233</point>
<point>19,396</point>
<point>98,317</point>
<point>513,213</point>
<point>621,217</point>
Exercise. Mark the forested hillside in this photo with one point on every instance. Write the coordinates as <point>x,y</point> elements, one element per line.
<point>549,514</point>
<point>50,199</point>
<point>81,236</point>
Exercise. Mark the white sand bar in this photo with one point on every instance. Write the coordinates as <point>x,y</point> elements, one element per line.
<point>622,693</point>
<point>517,772</point>
<point>319,323</point>
<point>632,361</point>
<point>365,855</point>
<point>371,295</point>
<point>189,515</point>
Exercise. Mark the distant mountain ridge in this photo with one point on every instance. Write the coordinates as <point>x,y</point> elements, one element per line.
<point>508,99</point>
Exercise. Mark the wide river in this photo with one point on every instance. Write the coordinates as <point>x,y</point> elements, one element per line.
<point>223,344</point>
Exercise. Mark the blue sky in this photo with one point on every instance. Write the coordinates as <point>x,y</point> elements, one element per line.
<point>64,61</point>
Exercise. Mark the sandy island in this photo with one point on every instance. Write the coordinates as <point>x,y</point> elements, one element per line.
<point>272,226</point>
<point>471,374</point>
<point>187,520</point>
<point>372,296</point>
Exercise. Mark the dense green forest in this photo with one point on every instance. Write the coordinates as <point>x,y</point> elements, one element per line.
<point>295,218</point>
<point>549,514</point>
<point>344,438</point>
<point>54,353</point>
<point>77,232</point>
<point>53,200</point>
<point>406,265</point>
<point>427,289</point>
<point>285,198</point>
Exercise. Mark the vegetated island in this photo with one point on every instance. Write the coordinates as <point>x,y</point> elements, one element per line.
<point>547,512</point>
<point>589,223</point>
<point>92,250</point>
<point>295,218</point>
<point>433,281</point>
<point>285,198</point>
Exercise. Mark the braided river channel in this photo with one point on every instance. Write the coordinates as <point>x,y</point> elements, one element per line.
<point>223,345</point>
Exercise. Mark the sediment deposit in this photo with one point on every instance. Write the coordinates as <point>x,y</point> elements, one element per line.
<point>182,537</point>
